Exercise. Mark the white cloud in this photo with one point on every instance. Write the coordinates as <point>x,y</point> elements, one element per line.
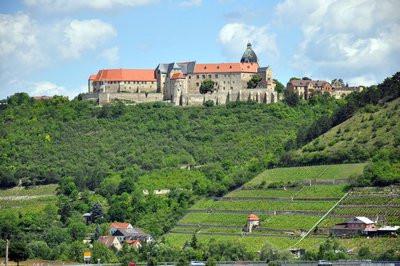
<point>235,36</point>
<point>191,3</point>
<point>358,40</point>
<point>72,5</point>
<point>111,55</point>
<point>82,35</point>
<point>46,88</point>
<point>19,41</point>
<point>27,47</point>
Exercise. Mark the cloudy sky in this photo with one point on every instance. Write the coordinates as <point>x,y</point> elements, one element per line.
<point>50,47</point>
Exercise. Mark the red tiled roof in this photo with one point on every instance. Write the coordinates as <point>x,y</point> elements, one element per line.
<point>177,75</point>
<point>125,75</point>
<point>133,242</point>
<point>118,225</point>
<point>92,77</point>
<point>226,68</point>
<point>253,217</point>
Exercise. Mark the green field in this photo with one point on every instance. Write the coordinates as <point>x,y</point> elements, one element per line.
<point>34,191</point>
<point>27,200</point>
<point>306,173</point>
<point>280,221</point>
<point>263,205</point>
<point>304,192</point>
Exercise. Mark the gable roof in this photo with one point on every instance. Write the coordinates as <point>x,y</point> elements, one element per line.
<point>364,220</point>
<point>185,67</point>
<point>299,82</point>
<point>125,75</point>
<point>226,68</point>
<point>108,240</point>
<point>92,77</point>
<point>320,83</point>
<point>118,225</point>
<point>253,217</point>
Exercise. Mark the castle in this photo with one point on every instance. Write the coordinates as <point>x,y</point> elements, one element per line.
<point>179,83</point>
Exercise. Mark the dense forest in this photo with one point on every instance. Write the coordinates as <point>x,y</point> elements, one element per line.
<point>104,157</point>
<point>43,141</point>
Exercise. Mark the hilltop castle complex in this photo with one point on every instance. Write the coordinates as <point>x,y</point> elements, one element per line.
<point>179,83</point>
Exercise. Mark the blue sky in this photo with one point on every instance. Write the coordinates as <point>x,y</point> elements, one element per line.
<point>50,47</point>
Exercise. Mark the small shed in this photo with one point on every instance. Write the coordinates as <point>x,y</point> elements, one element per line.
<point>253,221</point>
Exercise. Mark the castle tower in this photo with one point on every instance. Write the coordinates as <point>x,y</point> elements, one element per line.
<point>249,56</point>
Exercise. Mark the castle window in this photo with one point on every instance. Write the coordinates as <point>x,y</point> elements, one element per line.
<point>216,76</point>
<point>203,76</point>
<point>209,76</point>
<point>197,84</point>
<point>197,76</point>
<point>190,77</point>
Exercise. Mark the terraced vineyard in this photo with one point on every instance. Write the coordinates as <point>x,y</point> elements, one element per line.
<point>286,211</point>
<point>27,200</point>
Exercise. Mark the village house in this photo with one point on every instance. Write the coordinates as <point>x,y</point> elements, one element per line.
<point>355,226</point>
<point>134,244</point>
<point>110,242</point>
<point>341,92</point>
<point>306,88</point>
<point>125,231</point>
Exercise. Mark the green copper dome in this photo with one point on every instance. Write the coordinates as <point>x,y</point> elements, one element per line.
<point>249,56</point>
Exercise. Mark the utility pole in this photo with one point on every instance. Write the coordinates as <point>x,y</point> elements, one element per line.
<point>6,260</point>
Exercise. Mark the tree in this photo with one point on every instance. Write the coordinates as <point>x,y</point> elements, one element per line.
<point>77,229</point>
<point>207,86</point>
<point>291,98</point>
<point>208,103</point>
<point>18,251</point>
<point>194,242</point>
<point>306,78</point>
<point>19,98</point>
<point>97,213</point>
<point>39,249</point>
<point>253,82</point>
<point>364,253</point>
<point>279,87</point>
<point>103,253</point>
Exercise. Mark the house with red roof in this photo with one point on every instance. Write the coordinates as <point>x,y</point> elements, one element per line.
<point>253,221</point>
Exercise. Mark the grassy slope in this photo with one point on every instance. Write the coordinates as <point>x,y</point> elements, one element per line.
<point>214,219</point>
<point>370,129</point>
<point>27,200</point>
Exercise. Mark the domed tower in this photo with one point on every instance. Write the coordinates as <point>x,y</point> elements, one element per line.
<point>249,56</point>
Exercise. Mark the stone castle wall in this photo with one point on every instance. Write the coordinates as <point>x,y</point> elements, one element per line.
<point>190,99</point>
<point>104,98</point>
<point>224,97</point>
